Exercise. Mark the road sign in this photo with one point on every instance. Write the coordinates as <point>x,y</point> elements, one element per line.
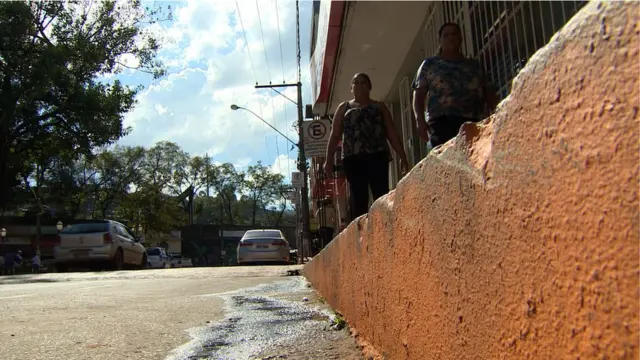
<point>297,180</point>
<point>316,137</point>
<point>295,198</point>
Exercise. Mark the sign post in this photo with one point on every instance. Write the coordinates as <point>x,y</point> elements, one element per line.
<point>297,181</point>
<point>316,137</point>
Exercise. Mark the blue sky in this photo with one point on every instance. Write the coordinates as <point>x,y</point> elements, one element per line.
<point>210,69</point>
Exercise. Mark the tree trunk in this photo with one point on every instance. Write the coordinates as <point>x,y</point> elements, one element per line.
<point>279,218</point>
<point>38,230</point>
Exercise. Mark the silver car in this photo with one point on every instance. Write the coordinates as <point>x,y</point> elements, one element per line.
<point>266,245</point>
<point>100,242</point>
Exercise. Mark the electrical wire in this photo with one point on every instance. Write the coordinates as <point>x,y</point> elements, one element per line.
<point>280,41</point>
<point>264,46</point>
<point>273,107</point>
<point>255,78</point>
<point>264,128</point>
<point>246,43</point>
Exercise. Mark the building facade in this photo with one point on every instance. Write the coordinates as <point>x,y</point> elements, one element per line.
<point>388,40</point>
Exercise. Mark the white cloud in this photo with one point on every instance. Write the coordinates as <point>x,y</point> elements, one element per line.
<point>210,69</point>
<point>285,165</point>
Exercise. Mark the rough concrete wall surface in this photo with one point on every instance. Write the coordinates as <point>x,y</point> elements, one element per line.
<point>519,238</point>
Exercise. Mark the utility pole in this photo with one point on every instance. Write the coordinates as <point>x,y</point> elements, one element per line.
<point>302,160</point>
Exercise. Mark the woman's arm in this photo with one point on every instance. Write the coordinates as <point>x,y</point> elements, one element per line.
<point>393,136</point>
<point>491,97</point>
<point>419,96</point>
<point>490,92</point>
<point>334,139</point>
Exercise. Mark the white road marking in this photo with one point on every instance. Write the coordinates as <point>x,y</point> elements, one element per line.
<point>95,287</point>
<point>16,296</point>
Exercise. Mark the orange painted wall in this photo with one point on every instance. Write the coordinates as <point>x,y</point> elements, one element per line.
<point>519,239</point>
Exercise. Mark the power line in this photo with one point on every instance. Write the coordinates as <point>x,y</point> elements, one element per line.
<point>255,78</point>
<point>264,46</point>
<point>280,41</point>
<point>275,124</point>
<point>264,129</point>
<point>246,43</point>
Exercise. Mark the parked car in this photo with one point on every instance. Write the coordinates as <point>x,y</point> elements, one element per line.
<point>158,258</point>
<point>179,262</point>
<point>100,242</point>
<point>264,245</point>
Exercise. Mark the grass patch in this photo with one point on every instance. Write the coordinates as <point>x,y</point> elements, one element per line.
<point>338,322</point>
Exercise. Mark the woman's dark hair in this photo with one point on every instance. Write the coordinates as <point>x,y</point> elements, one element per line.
<point>445,25</point>
<point>363,75</point>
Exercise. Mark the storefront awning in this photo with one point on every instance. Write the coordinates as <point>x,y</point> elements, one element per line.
<point>376,37</point>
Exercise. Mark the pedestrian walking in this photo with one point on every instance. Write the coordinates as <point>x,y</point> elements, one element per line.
<point>457,90</point>
<point>35,264</point>
<point>11,261</point>
<point>364,126</point>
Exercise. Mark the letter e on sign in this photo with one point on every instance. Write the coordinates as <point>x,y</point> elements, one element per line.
<point>317,130</point>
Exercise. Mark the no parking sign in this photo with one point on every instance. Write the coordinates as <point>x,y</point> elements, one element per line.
<point>316,137</point>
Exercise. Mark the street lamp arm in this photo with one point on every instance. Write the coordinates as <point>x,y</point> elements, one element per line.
<point>235,107</point>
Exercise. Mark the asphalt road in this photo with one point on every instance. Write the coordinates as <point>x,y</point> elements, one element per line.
<point>196,313</point>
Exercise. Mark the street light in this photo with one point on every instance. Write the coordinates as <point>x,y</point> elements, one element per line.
<point>302,160</point>
<point>236,107</point>
<point>3,233</point>
<point>59,226</point>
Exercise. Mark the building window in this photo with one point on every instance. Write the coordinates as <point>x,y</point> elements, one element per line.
<point>505,34</point>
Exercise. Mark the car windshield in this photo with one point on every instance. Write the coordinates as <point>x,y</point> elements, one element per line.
<point>84,228</point>
<point>153,251</point>
<point>262,234</point>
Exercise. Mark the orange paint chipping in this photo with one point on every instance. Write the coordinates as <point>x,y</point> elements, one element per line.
<point>519,239</point>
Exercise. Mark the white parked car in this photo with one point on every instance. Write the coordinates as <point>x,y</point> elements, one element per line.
<point>179,262</point>
<point>257,246</point>
<point>158,258</point>
<point>99,242</point>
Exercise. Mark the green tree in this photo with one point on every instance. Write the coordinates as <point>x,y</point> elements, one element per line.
<point>71,183</point>
<point>118,172</point>
<point>164,163</point>
<point>262,187</point>
<point>51,55</point>
<point>227,182</point>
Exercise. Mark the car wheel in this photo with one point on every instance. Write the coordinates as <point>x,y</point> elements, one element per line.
<point>118,260</point>
<point>144,264</point>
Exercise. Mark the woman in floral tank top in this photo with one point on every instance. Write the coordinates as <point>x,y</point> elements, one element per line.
<point>454,89</point>
<point>365,126</point>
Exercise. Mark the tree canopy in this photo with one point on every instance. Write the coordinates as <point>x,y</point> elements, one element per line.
<point>60,117</point>
<point>142,187</point>
<point>53,101</point>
